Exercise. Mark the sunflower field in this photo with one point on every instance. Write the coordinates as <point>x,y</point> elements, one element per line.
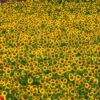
<point>49,49</point>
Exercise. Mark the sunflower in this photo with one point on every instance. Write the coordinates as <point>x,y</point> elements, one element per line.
<point>71,77</point>
<point>4,94</point>
<point>44,68</point>
<point>1,62</point>
<point>95,81</point>
<point>65,81</point>
<point>47,85</point>
<point>16,84</point>
<point>87,85</point>
<point>78,77</point>
<point>63,86</point>
<point>68,68</point>
<point>77,83</point>
<point>49,98</point>
<point>8,85</point>
<point>70,86</point>
<point>34,89</point>
<point>30,80</point>
<point>53,85</point>
<point>42,91</point>
<point>60,71</point>
<point>49,75</point>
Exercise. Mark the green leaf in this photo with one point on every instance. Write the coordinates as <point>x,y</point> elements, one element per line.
<point>32,55</point>
<point>87,13</point>
<point>40,59</point>
<point>11,30</point>
<point>73,64</point>
<point>35,81</point>
<point>50,63</point>
<point>10,97</point>
<point>55,76</point>
<point>59,1</point>
<point>63,44</point>
<point>77,1</point>
<point>34,45</point>
<point>2,72</point>
<point>2,87</point>
<point>24,80</point>
<point>47,72</point>
<point>78,54</point>
<point>23,61</point>
<point>4,31</point>
<point>98,10</point>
